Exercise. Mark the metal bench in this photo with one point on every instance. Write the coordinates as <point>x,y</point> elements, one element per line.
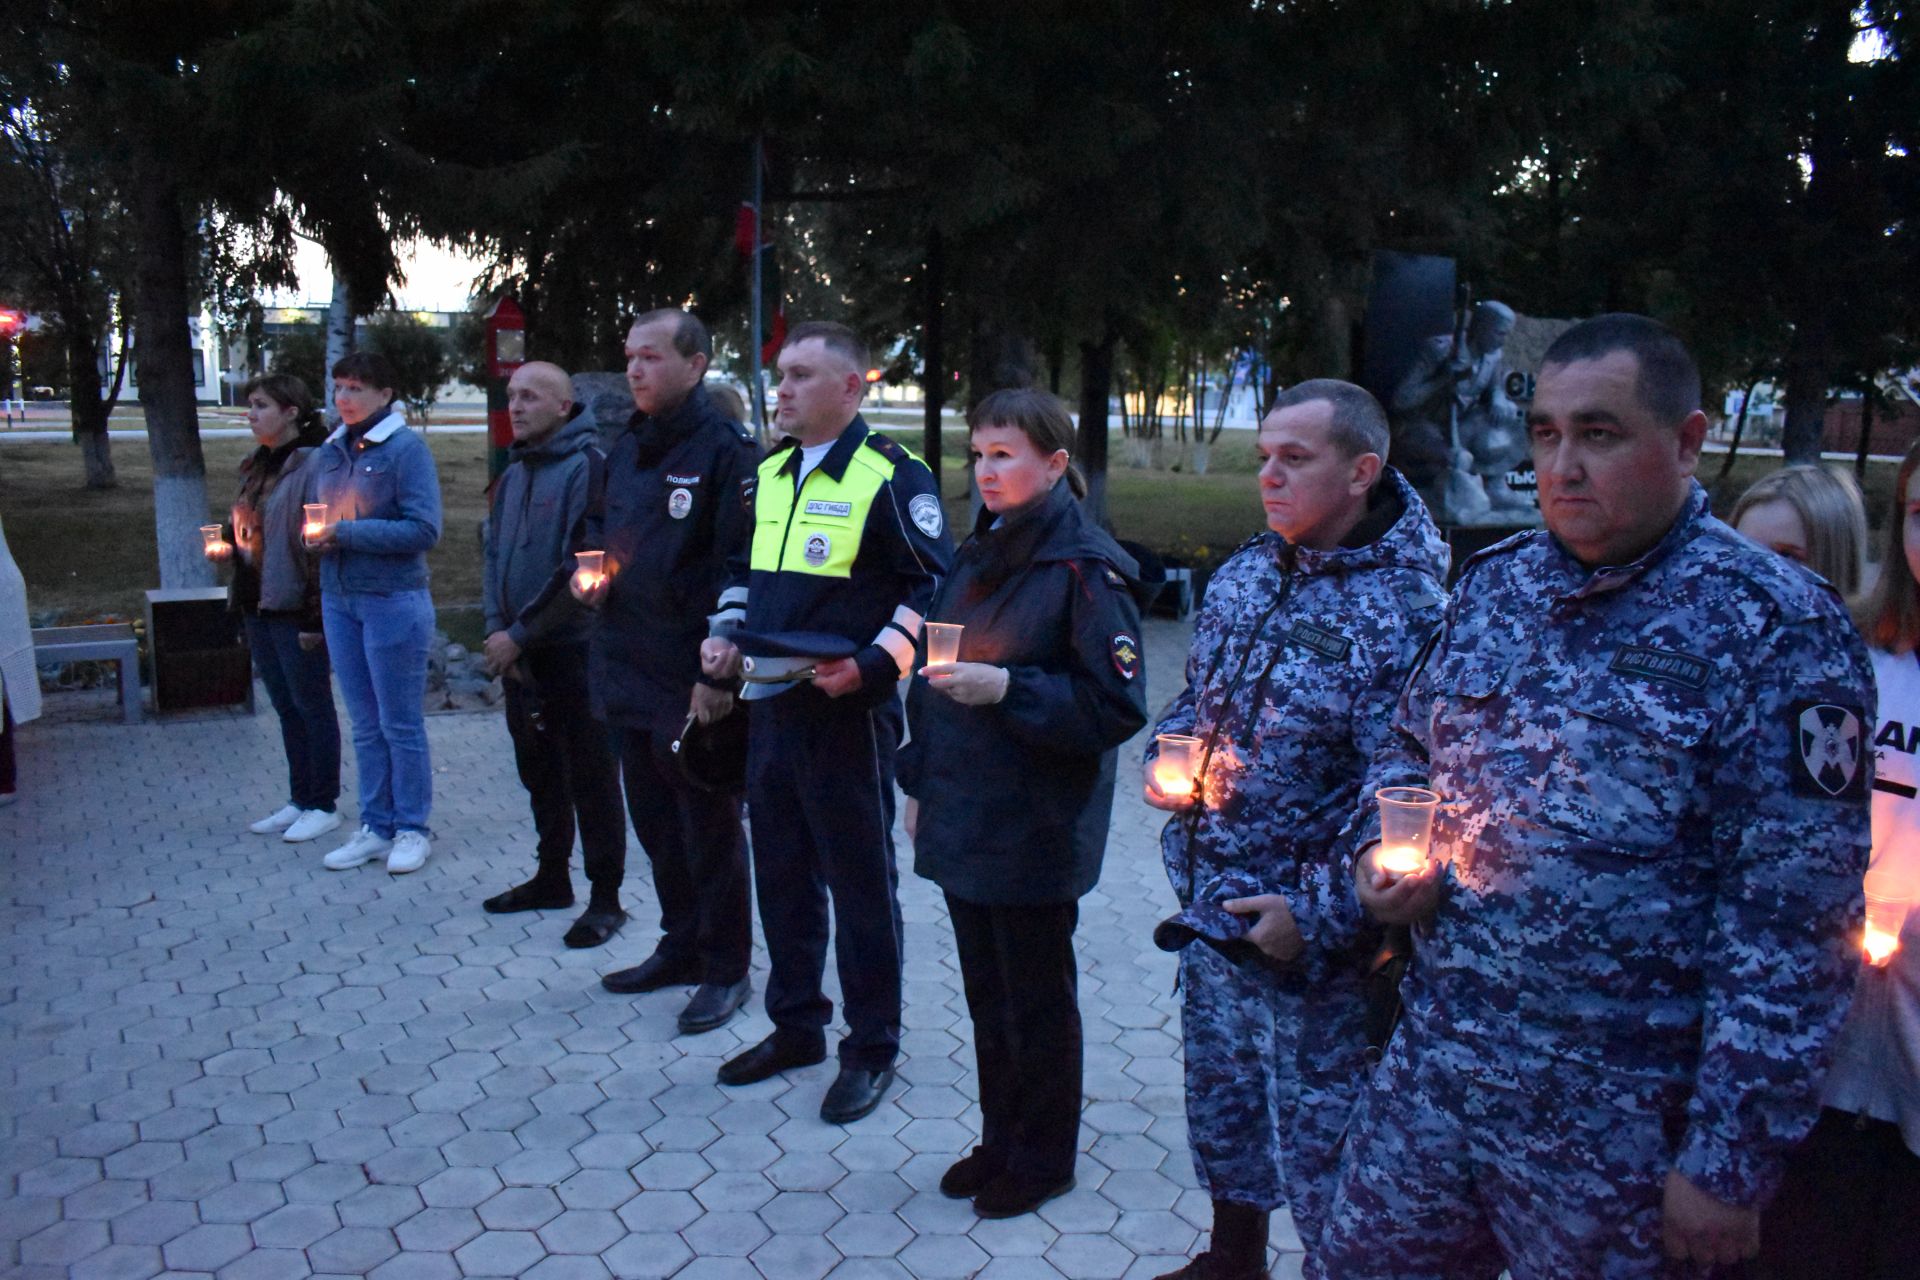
<point>103,642</point>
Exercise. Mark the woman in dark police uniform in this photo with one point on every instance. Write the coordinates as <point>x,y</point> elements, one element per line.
<point>1010,770</point>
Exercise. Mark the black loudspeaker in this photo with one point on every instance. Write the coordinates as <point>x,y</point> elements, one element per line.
<point>199,657</point>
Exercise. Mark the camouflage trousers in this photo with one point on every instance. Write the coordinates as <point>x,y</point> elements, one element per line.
<point>1447,1176</point>
<point>1271,1075</point>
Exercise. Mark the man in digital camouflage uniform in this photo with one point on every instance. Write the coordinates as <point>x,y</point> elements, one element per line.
<point>1297,661</point>
<point>1634,942</point>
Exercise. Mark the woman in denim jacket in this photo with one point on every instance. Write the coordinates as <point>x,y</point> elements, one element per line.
<point>382,497</point>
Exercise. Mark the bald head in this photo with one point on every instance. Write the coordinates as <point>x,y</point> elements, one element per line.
<point>539,399</point>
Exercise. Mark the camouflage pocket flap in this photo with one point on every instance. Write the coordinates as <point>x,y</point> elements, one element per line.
<point>1670,713</point>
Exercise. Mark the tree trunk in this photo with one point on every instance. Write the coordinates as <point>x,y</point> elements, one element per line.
<point>933,356</point>
<point>1739,429</point>
<point>1809,373</point>
<point>1866,433</point>
<point>339,334</point>
<point>1096,387</point>
<point>89,407</point>
<point>164,351</point>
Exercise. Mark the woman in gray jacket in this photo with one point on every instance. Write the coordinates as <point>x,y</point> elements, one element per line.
<point>277,592</point>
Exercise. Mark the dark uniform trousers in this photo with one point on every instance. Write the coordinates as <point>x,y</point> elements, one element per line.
<point>566,762</point>
<point>698,850</point>
<point>820,789</point>
<point>1023,991</point>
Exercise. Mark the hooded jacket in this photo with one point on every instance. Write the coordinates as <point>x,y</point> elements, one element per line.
<point>1015,798</point>
<point>539,519</point>
<point>1295,668</point>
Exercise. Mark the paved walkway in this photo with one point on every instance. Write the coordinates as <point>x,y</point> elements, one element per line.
<point>220,1059</point>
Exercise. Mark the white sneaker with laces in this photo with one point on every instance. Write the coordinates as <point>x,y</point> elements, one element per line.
<point>362,849</point>
<point>279,820</point>
<point>314,822</point>
<point>410,850</point>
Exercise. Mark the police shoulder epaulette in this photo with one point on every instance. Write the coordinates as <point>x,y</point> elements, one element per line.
<point>887,447</point>
<point>1419,591</point>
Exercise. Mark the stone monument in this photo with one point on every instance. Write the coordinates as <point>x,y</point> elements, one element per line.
<point>1456,434</point>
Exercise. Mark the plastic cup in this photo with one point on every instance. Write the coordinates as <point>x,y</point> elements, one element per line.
<point>316,520</point>
<point>1887,902</point>
<point>591,570</point>
<point>1174,766</point>
<point>1406,829</point>
<point>210,538</point>
<point>943,642</point>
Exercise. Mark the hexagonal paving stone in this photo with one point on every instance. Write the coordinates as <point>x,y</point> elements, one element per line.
<point>63,1243</point>
<point>519,1209</point>
<point>582,1231</point>
<point>870,1235</point>
<point>353,1250</point>
<point>438,1230</point>
<point>726,1235</point>
<point>206,1248</point>
<point>598,1189</point>
<point>499,1253</point>
<point>950,1257</point>
<point>647,1256</point>
<point>295,1226</point>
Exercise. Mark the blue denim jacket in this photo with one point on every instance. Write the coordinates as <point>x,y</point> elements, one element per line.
<point>385,496</point>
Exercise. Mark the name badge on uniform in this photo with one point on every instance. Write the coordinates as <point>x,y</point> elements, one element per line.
<point>1328,644</point>
<point>815,507</point>
<point>1682,669</point>
<point>679,502</point>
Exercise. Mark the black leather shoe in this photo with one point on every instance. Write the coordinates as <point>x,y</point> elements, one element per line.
<point>854,1093</point>
<point>712,1004</point>
<point>1212,1266</point>
<point>594,927</point>
<point>651,974</point>
<point>769,1058</point>
<point>531,896</point>
<point>1010,1195</point>
<point>968,1177</point>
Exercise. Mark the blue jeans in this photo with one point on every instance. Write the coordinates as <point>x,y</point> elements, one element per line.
<point>302,697</point>
<point>379,648</point>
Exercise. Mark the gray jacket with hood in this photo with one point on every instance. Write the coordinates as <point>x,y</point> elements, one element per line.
<point>540,507</point>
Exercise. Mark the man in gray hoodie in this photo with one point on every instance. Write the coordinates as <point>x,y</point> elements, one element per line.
<point>537,635</point>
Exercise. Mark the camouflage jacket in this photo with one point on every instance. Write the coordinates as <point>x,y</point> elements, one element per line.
<point>1653,825</point>
<point>1296,663</point>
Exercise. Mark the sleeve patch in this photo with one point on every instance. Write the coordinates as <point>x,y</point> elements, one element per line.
<point>926,514</point>
<point>1828,758</point>
<point>1126,654</point>
<point>747,488</point>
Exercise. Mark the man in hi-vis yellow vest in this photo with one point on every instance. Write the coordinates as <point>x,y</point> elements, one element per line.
<point>849,543</point>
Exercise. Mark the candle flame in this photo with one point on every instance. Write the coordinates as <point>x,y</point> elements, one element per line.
<point>1879,946</point>
<point>1400,859</point>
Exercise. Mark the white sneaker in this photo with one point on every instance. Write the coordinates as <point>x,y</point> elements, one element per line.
<point>362,849</point>
<point>410,850</point>
<point>279,820</point>
<point>314,822</point>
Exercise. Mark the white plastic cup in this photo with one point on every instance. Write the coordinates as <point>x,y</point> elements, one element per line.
<point>1406,828</point>
<point>1887,902</point>
<point>316,520</point>
<point>1174,765</point>
<point>591,569</point>
<point>943,643</point>
<point>210,539</point>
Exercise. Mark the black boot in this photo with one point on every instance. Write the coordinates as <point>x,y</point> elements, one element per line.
<point>599,922</point>
<point>1238,1250</point>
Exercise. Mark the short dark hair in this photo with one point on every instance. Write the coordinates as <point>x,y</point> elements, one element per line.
<point>1359,423</point>
<point>1039,417</point>
<point>837,338</point>
<point>1669,381</point>
<point>690,336</point>
<point>368,367</point>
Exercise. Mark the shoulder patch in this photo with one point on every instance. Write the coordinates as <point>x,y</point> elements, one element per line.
<point>1828,759</point>
<point>1125,651</point>
<point>927,516</point>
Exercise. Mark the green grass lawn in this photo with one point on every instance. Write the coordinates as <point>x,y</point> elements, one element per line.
<point>88,554</point>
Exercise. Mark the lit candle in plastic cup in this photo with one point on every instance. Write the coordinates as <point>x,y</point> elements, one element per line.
<point>1887,901</point>
<point>1406,829</point>
<point>316,520</point>
<point>1174,766</point>
<point>943,643</point>
<point>210,537</point>
<point>592,570</point>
